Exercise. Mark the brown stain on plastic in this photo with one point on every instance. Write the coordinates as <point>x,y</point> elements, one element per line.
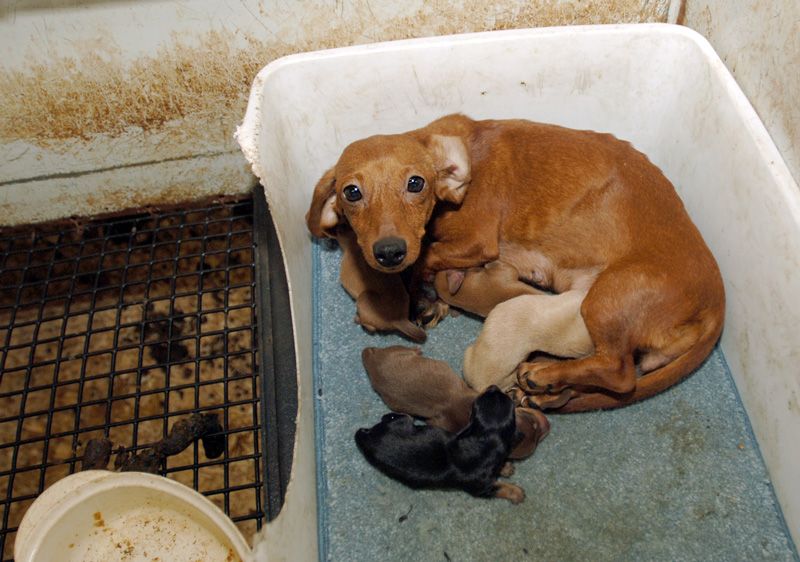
<point>758,50</point>
<point>208,83</point>
<point>98,519</point>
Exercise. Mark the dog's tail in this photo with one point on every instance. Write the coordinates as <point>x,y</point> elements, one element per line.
<point>655,381</point>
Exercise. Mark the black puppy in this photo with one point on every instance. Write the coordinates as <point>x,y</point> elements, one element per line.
<point>423,456</point>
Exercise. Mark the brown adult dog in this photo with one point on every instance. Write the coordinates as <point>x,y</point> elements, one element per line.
<point>570,210</point>
<point>427,388</point>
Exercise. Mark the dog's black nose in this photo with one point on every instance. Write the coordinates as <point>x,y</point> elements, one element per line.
<point>363,431</point>
<point>389,251</point>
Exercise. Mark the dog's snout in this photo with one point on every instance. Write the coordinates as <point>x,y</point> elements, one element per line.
<point>390,251</point>
<point>362,432</point>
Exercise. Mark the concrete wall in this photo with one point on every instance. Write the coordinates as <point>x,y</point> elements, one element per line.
<point>109,104</point>
<point>759,41</point>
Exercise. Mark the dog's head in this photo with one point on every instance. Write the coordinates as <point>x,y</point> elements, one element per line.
<point>392,425</point>
<point>492,412</point>
<point>385,187</point>
<point>486,441</point>
<point>403,449</point>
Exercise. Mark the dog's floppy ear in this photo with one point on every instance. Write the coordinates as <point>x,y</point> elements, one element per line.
<point>493,410</point>
<point>492,416</point>
<point>451,159</point>
<point>323,214</point>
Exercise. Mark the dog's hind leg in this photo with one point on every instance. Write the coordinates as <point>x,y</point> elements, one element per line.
<point>602,370</point>
<point>627,310</point>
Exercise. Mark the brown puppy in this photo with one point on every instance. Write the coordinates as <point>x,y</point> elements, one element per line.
<point>571,210</point>
<point>382,301</point>
<point>427,388</point>
<point>480,289</point>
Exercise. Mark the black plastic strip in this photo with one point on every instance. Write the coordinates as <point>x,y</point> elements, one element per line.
<point>277,353</point>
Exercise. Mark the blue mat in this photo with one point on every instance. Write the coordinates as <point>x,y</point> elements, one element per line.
<point>677,477</point>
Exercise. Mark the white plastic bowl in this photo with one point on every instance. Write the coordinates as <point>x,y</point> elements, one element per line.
<point>101,516</point>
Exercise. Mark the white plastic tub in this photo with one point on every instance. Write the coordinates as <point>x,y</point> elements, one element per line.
<point>662,87</point>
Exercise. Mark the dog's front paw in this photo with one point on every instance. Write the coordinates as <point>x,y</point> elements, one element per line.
<point>537,378</point>
<point>544,391</point>
<point>527,377</point>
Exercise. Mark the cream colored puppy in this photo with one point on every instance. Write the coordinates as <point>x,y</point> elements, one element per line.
<point>516,328</point>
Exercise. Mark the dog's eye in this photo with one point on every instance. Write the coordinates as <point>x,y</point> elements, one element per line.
<point>415,184</point>
<point>352,193</point>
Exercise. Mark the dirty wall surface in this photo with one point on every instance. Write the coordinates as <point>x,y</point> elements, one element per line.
<point>109,105</point>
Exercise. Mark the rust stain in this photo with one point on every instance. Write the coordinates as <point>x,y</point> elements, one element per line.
<point>55,100</point>
<point>758,50</point>
<point>681,19</point>
<point>65,98</point>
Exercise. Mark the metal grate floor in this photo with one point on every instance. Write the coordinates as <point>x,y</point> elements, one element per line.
<point>118,328</point>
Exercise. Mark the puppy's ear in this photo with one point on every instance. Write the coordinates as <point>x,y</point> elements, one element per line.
<point>494,410</point>
<point>451,159</point>
<point>492,417</point>
<point>323,214</point>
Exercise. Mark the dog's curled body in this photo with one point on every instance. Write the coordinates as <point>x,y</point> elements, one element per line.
<point>424,456</point>
<point>569,210</point>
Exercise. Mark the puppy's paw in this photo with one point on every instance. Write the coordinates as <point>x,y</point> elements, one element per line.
<point>507,470</point>
<point>429,314</point>
<point>510,492</point>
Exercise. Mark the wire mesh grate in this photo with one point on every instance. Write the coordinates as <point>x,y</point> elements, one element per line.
<point>117,328</point>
